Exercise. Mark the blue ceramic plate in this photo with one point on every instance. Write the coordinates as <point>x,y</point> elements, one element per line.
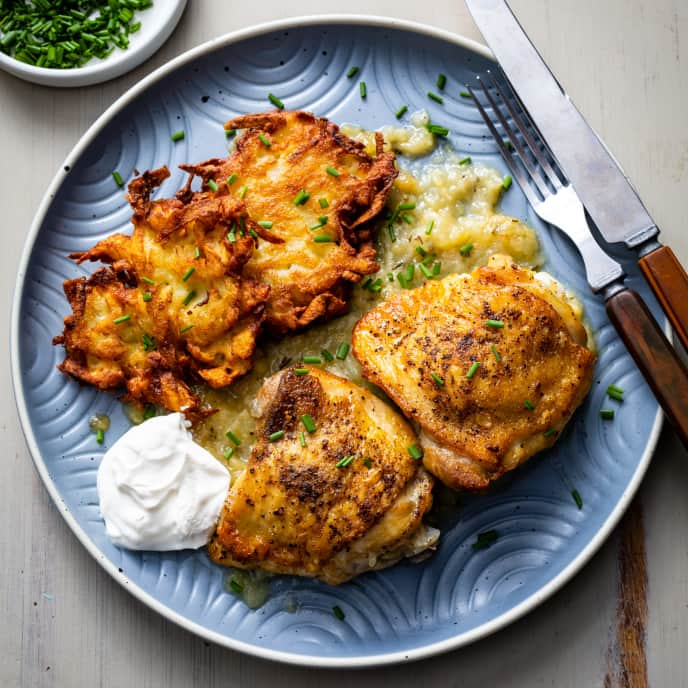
<point>408,611</point>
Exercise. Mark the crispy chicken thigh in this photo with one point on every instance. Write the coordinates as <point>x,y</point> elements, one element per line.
<point>491,366</point>
<point>351,500</point>
<point>319,190</point>
<point>173,301</point>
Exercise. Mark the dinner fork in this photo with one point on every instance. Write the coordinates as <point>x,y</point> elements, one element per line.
<point>553,199</point>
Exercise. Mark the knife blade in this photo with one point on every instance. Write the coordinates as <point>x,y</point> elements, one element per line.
<point>606,192</point>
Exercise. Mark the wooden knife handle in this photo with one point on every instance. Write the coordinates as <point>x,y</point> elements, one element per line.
<point>654,355</point>
<point>669,282</point>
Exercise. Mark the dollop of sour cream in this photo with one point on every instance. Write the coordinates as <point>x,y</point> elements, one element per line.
<point>158,489</point>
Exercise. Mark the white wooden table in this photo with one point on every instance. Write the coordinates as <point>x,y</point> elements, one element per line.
<point>625,62</point>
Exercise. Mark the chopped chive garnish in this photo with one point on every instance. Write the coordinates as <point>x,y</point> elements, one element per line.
<point>276,101</point>
<point>441,81</point>
<point>276,436</point>
<point>529,405</point>
<point>266,224</point>
<point>437,379</point>
<point>231,236</point>
<point>189,297</point>
<point>407,218</point>
<point>367,462</point>
<point>186,329</point>
<point>148,280</point>
<point>313,360</point>
<point>577,498</point>
<point>327,355</point>
<point>466,161</point>
<point>392,233</point>
<point>231,179</point>
<point>178,135</point>
<point>362,89</point>
<point>264,140</point>
<point>437,130</point>
<point>390,276</point>
<point>415,451</point>
<point>231,436</point>
<point>495,353</point>
<point>148,342</point>
<point>147,296</point>
<point>100,435</point>
<point>344,462</point>
<point>352,72</point>
<point>466,249</point>
<point>121,319</point>
<point>228,453</point>
<point>465,94</point>
<point>435,97</point>
<point>425,270</point>
<point>402,280</point>
<point>421,251</point>
<point>242,191</point>
<point>253,233</point>
<point>407,206</point>
<point>497,324</point>
<point>118,178</point>
<point>308,422</point>
<point>323,203</point>
<point>301,371</point>
<point>236,587</point>
<point>473,369</point>
<point>229,133</point>
<point>401,111</point>
<point>197,252</point>
<point>342,351</point>
<point>302,439</point>
<point>607,414</point>
<point>336,610</point>
<point>376,285</point>
<point>431,226</point>
<point>410,270</point>
<point>212,185</point>
<point>484,540</point>
<point>188,274</point>
<point>615,392</point>
<point>301,197</point>
<point>322,239</point>
<point>332,171</point>
<point>549,432</point>
<point>507,181</point>
<point>322,221</point>
<point>436,268</point>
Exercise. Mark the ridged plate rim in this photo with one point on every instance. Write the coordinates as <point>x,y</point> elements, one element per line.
<point>429,650</point>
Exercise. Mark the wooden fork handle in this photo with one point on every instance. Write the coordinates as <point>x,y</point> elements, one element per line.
<point>654,355</point>
<point>669,282</point>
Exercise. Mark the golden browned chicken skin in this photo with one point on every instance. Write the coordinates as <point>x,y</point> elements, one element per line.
<point>297,510</point>
<point>172,302</point>
<point>280,169</point>
<point>510,359</point>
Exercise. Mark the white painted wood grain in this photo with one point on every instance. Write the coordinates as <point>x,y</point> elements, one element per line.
<point>625,62</point>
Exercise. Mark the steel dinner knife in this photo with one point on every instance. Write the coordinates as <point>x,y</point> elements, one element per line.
<point>611,202</point>
<point>605,191</point>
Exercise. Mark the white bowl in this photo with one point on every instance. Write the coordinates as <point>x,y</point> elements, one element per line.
<point>157,23</point>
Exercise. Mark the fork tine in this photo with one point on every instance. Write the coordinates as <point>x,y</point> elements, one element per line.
<point>523,121</point>
<point>534,173</point>
<point>516,171</point>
